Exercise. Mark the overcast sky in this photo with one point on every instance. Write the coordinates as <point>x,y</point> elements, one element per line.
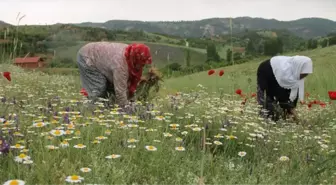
<point>76,11</point>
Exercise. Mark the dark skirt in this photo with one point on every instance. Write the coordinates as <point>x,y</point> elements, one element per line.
<point>94,82</point>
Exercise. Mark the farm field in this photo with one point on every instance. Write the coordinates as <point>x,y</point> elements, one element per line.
<point>197,131</point>
<point>163,53</point>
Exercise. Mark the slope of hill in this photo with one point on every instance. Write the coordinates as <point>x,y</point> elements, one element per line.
<point>306,28</point>
<point>162,54</point>
<point>63,41</point>
<point>243,76</point>
<point>3,24</point>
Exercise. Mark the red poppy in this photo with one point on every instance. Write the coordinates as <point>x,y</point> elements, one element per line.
<point>83,92</point>
<point>7,75</point>
<point>253,95</point>
<point>332,95</point>
<point>211,72</point>
<point>239,91</point>
<point>221,72</point>
<point>322,104</point>
<point>316,102</point>
<point>310,105</point>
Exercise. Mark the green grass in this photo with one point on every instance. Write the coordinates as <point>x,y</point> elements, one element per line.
<point>238,76</point>
<point>176,53</point>
<point>231,129</point>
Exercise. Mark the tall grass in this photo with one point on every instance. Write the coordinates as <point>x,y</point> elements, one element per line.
<point>197,132</point>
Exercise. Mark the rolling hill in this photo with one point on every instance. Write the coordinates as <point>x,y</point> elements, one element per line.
<point>3,24</point>
<point>305,28</point>
<point>243,76</point>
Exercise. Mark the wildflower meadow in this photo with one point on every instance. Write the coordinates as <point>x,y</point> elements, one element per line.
<point>200,129</point>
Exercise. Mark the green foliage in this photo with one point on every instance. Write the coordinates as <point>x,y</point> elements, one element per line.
<point>187,57</point>
<point>312,44</point>
<point>212,54</point>
<point>273,47</point>
<point>229,55</point>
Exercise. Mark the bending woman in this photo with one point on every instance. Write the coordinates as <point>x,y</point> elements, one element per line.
<point>280,81</point>
<point>112,69</point>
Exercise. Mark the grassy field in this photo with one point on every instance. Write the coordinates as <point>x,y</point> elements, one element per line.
<point>244,76</point>
<point>160,52</point>
<point>197,136</point>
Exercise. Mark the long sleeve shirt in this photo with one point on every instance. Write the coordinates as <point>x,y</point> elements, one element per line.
<point>109,59</point>
<point>267,82</point>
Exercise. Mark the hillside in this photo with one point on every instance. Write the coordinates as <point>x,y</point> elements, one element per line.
<point>63,41</point>
<point>59,45</point>
<point>2,23</point>
<point>324,65</point>
<point>306,28</point>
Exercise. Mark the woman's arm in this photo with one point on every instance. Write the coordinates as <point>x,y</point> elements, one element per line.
<point>120,78</point>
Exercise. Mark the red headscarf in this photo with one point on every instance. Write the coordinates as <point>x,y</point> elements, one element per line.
<point>136,54</point>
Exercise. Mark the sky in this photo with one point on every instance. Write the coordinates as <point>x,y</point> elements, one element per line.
<point>77,11</point>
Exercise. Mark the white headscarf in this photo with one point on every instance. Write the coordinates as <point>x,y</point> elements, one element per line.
<point>287,72</point>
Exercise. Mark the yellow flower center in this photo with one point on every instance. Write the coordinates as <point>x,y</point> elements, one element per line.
<point>151,148</point>
<point>57,132</point>
<point>75,178</point>
<point>80,145</point>
<point>14,182</point>
<point>68,132</point>
<point>17,146</point>
<point>85,169</point>
<point>232,137</point>
<point>39,124</point>
<point>22,156</point>
<point>77,133</point>
<point>65,143</point>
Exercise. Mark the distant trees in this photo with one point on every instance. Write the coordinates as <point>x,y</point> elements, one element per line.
<point>273,47</point>
<point>312,44</point>
<point>212,54</point>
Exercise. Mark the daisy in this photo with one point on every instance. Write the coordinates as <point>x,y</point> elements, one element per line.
<point>14,182</point>
<point>231,137</point>
<point>242,153</point>
<point>101,138</point>
<point>113,156</point>
<point>74,179</point>
<point>22,157</point>
<point>180,148</point>
<point>39,124</point>
<point>167,135</point>
<point>178,139</point>
<point>57,132</point>
<point>64,144</point>
<point>160,118</point>
<point>131,146</point>
<point>151,148</point>
<point>132,140</point>
<point>80,146</point>
<point>218,143</point>
<point>95,142</point>
<point>52,147</point>
<point>197,129</point>
<point>18,146</point>
<point>284,158</point>
<point>28,162</point>
<point>85,170</point>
